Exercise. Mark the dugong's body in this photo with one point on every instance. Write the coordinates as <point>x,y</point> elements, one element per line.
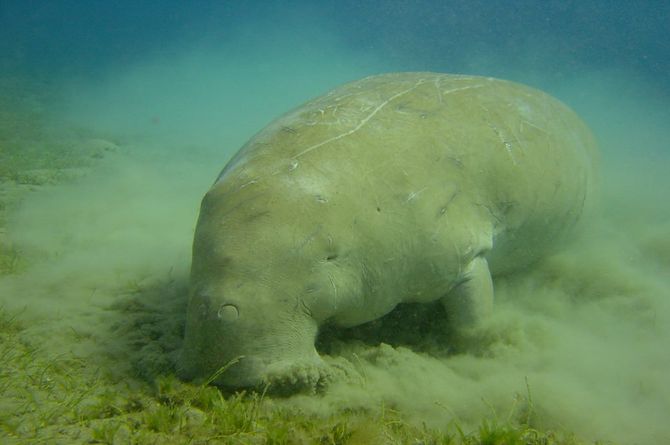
<point>407,187</point>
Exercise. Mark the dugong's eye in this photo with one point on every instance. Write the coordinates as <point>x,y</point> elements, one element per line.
<point>228,312</point>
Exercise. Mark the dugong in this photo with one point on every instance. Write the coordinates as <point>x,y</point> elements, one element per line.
<point>402,187</point>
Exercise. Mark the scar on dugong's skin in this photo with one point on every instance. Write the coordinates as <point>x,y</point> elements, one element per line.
<point>407,187</point>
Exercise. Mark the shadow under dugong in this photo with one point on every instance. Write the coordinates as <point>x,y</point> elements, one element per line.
<point>405,187</point>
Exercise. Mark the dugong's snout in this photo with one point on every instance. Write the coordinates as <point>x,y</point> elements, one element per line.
<point>238,372</point>
<point>234,345</point>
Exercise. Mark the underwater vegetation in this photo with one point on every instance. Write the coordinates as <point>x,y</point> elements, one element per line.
<point>61,399</point>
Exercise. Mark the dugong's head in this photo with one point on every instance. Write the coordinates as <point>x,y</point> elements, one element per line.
<point>259,280</point>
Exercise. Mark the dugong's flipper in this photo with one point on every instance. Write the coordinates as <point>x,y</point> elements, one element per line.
<point>472,300</point>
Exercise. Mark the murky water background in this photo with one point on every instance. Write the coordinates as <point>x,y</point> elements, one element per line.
<point>586,331</point>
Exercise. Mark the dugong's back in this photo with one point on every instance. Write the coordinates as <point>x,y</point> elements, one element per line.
<point>522,157</point>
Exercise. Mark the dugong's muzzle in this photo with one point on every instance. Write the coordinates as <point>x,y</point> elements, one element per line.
<point>231,347</point>
<point>297,371</point>
<point>238,372</point>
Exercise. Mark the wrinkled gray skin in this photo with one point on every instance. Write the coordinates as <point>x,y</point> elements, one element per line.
<point>408,187</point>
